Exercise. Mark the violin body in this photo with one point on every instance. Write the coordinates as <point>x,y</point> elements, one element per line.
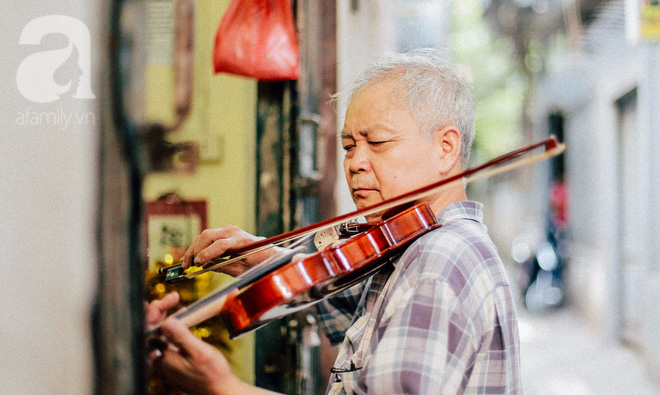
<point>307,280</point>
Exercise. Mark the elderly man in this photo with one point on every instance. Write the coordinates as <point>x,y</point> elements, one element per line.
<point>440,318</point>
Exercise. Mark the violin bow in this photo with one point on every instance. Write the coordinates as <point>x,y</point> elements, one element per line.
<point>501,164</point>
<point>213,303</point>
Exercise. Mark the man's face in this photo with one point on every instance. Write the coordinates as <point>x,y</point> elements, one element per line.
<point>386,153</point>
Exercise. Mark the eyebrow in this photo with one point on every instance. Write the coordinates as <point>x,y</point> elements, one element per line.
<point>365,132</point>
<point>346,135</point>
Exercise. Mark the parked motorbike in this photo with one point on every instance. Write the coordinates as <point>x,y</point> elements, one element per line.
<point>541,273</point>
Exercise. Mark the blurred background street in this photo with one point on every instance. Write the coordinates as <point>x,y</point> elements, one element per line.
<point>561,354</point>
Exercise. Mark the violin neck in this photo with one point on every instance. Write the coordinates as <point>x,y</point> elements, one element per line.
<point>202,312</point>
<point>212,304</point>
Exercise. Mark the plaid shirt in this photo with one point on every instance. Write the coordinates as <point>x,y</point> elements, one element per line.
<point>441,319</point>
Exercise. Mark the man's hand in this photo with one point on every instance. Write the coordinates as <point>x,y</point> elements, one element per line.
<point>212,243</point>
<point>187,362</point>
<point>191,364</point>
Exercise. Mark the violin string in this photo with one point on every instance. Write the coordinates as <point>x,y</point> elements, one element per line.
<point>194,313</point>
<point>226,261</point>
<point>294,246</point>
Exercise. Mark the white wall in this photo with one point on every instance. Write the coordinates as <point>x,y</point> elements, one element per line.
<point>48,186</point>
<point>650,122</point>
<point>364,35</point>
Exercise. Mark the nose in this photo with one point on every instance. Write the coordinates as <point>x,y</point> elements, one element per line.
<point>359,159</point>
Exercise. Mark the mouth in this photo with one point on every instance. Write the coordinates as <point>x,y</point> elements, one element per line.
<point>363,192</point>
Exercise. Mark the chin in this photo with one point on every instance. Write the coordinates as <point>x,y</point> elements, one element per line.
<point>360,204</point>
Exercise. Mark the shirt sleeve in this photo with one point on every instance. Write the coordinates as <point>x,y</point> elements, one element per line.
<point>425,346</point>
<point>336,312</point>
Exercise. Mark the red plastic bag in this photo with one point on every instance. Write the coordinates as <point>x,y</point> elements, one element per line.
<point>257,38</point>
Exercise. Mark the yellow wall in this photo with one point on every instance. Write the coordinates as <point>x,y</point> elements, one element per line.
<point>223,121</point>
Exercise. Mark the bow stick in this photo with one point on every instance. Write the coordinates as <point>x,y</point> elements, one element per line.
<point>552,148</point>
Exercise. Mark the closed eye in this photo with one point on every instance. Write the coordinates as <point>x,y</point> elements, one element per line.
<point>378,142</point>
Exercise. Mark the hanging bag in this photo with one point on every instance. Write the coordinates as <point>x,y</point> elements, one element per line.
<point>257,38</point>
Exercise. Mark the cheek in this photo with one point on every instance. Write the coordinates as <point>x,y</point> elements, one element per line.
<point>389,179</point>
<point>404,178</point>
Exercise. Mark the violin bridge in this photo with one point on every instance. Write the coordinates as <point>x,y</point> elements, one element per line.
<point>325,238</point>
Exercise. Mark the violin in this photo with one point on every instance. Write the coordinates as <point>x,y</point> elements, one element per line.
<point>286,283</point>
<point>310,279</point>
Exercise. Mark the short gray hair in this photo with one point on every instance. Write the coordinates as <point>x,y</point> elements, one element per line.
<point>436,94</point>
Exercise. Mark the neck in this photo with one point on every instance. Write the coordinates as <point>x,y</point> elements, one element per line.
<point>447,197</point>
<point>436,203</point>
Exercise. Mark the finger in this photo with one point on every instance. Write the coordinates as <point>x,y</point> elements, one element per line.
<point>154,355</point>
<point>208,238</point>
<point>181,336</point>
<point>170,366</point>
<point>201,241</point>
<point>167,302</point>
<point>157,309</point>
<point>250,259</point>
<point>157,343</point>
<point>216,249</point>
<point>187,258</point>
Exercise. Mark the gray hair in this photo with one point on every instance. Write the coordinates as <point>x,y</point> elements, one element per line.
<point>436,94</point>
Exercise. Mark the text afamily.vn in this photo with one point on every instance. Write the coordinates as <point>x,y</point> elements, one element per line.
<point>59,118</point>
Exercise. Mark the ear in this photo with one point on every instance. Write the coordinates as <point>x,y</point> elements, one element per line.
<point>448,144</point>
